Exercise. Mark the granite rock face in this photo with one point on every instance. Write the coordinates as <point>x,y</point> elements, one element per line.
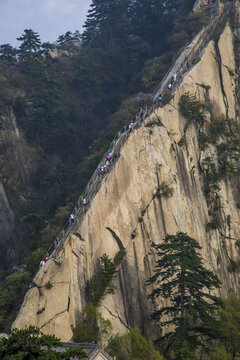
<point>152,154</point>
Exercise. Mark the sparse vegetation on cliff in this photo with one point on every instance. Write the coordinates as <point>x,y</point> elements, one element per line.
<point>49,285</point>
<point>196,60</point>
<point>164,190</point>
<point>101,283</point>
<point>191,108</point>
<point>224,134</point>
<point>91,326</point>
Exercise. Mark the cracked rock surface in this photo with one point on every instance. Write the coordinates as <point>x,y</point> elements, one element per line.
<point>150,156</point>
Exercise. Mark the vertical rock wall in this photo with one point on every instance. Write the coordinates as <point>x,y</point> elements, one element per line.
<point>125,204</point>
<point>19,165</point>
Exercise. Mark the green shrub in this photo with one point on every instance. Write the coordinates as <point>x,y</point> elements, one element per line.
<point>32,260</point>
<point>12,291</point>
<point>49,285</point>
<point>219,353</point>
<point>229,151</point>
<point>191,108</point>
<point>217,127</point>
<point>108,272</point>
<point>128,109</point>
<point>212,225</point>
<point>230,315</point>
<point>55,177</point>
<point>101,283</point>
<point>91,326</point>
<point>203,141</point>
<point>153,71</point>
<point>133,234</point>
<point>213,176</point>
<point>182,141</point>
<point>34,225</point>
<point>196,60</point>
<point>178,53</point>
<point>234,266</point>
<point>132,346</point>
<point>94,290</point>
<point>164,190</point>
<point>118,258</point>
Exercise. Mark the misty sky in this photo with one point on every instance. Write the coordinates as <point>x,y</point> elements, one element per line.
<point>50,18</point>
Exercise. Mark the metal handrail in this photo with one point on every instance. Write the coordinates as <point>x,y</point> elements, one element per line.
<point>118,141</point>
<point>95,180</point>
<point>198,47</point>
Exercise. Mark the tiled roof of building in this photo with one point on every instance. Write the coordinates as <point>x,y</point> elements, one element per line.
<point>91,349</point>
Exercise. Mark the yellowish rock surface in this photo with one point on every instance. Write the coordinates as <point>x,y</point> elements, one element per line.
<point>150,156</point>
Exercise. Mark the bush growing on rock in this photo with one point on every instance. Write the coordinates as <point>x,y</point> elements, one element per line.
<point>132,346</point>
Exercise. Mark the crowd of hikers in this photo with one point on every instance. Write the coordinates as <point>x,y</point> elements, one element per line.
<point>110,157</point>
<point>159,101</point>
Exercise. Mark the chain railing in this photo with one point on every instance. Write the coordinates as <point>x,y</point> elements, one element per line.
<point>218,15</point>
<point>95,181</point>
<point>120,138</point>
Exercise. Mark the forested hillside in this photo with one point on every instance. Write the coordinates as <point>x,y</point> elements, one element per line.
<point>60,113</point>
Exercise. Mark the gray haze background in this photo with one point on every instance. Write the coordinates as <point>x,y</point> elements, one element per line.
<point>50,18</point>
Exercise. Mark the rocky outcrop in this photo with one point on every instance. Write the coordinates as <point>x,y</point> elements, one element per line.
<point>19,165</point>
<point>125,205</point>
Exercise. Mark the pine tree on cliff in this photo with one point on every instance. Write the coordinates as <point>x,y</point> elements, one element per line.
<point>106,21</point>
<point>30,46</point>
<point>186,284</point>
<point>30,57</point>
<point>8,53</point>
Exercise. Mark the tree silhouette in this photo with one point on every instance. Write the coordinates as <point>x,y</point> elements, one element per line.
<point>181,278</point>
<point>31,343</point>
<point>31,44</point>
<point>8,53</point>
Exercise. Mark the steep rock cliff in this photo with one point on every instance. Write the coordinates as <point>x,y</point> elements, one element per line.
<point>124,204</point>
<point>19,167</point>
